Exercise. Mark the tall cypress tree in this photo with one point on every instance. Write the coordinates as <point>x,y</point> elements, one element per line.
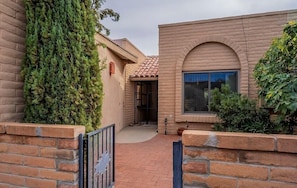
<point>62,82</point>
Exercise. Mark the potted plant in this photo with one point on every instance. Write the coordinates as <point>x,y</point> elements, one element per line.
<point>180,130</point>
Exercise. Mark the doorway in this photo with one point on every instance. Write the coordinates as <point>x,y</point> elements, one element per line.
<point>146,102</point>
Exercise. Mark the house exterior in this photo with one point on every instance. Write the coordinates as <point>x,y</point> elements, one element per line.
<point>195,57</point>
<point>172,89</point>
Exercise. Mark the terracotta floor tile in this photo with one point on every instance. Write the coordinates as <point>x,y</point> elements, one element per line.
<point>145,165</point>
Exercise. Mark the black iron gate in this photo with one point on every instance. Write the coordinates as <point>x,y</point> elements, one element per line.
<point>96,158</point>
<point>177,164</point>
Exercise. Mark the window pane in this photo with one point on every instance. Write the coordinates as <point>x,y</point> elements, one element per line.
<point>219,78</point>
<point>198,86</point>
<point>196,92</point>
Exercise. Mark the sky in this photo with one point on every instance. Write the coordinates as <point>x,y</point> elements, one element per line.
<point>139,19</point>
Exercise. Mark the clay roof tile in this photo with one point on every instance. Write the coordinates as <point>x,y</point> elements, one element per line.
<point>149,68</point>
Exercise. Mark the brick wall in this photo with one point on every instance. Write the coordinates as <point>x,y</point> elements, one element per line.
<point>215,44</point>
<point>239,160</point>
<point>39,155</point>
<point>12,47</point>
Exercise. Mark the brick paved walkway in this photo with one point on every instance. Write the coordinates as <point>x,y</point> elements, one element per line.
<point>145,165</point>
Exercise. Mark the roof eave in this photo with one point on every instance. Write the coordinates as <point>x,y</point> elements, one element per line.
<point>135,79</point>
<point>119,51</point>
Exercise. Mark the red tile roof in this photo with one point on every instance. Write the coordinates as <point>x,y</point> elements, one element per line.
<point>149,68</point>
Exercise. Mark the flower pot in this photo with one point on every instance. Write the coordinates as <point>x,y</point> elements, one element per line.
<point>180,131</point>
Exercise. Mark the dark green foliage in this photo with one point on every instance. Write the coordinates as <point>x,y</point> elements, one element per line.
<point>61,72</point>
<point>238,113</point>
<point>276,76</point>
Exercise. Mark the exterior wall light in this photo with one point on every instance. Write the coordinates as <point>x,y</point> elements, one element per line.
<point>111,68</point>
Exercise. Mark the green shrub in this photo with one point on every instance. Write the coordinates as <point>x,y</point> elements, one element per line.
<point>276,76</point>
<point>238,113</point>
<point>62,82</point>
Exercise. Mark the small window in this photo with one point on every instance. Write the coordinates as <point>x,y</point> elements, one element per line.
<point>198,86</point>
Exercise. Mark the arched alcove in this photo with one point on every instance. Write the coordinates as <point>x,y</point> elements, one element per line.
<point>207,54</point>
<point>211,56</point>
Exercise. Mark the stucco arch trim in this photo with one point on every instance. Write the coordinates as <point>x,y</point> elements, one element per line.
<point>243,81</point>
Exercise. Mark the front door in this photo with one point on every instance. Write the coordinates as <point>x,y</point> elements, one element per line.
<point>146,102</point>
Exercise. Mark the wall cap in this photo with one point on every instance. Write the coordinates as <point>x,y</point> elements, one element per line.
<point>42,130</point>
<point>240,141</point>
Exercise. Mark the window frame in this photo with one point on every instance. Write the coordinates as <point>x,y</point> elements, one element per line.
<point>209,88</point>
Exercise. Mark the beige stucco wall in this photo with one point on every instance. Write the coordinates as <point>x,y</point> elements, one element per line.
<point>129,85</point>
<point>12,47</point>
<point>185,46</point>
<point>118,100</point>
<point>113,90</point>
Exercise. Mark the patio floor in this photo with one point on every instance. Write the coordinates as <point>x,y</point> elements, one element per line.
<point>146,164</point>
